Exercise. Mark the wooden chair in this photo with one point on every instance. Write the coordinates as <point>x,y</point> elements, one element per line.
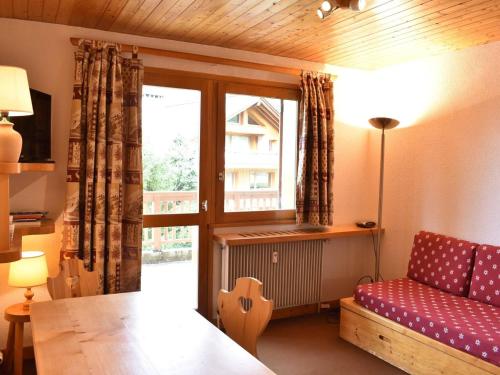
<point>72,281</point>
<point>245,312</point>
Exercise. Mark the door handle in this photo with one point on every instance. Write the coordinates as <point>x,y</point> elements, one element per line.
<point>204,205</point>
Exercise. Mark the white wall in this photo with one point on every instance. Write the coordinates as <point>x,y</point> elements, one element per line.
<point>442,173</point>
<point>44,50</point>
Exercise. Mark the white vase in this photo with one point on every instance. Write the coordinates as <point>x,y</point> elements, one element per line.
<point>11,142</point>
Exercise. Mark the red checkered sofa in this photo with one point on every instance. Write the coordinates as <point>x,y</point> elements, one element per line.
<point>451,294</point>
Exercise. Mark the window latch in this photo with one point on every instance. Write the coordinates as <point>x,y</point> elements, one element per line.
<point>204,205</point>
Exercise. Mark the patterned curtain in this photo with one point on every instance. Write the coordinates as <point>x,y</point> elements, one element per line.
<point>314,197</point>
<point>103,212</point>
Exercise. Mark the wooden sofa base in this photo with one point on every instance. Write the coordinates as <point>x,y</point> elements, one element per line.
<point>406,349</point>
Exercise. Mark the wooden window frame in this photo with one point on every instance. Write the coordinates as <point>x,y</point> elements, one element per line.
<point>248,217</point>
<point>215,150</point>
<point>201,219</point>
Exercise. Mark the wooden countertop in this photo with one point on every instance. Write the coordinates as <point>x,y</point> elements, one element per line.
<point>297,234</point>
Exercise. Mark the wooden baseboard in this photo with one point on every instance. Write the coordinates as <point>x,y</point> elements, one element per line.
<point>404,348</point>
<point>290,312</point>
<point>301,310</point>
<point>309,309</point>
<point>332,305</point>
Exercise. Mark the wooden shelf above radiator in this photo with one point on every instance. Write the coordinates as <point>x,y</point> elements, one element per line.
<point>297,234</point>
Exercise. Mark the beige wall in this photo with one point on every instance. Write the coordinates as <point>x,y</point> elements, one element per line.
<point>442,173</point>
<point>44,50</point>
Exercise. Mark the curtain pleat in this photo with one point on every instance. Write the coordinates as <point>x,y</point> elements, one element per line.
<point>103,212</point>
<point>314,195</point>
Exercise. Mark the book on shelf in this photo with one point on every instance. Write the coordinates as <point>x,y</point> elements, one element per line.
<point>28,216</point>
<point>28,223</point>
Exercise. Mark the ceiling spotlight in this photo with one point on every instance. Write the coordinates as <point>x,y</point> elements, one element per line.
<point>357,5</point>
<point>326,6</point>
<point>320,13</point>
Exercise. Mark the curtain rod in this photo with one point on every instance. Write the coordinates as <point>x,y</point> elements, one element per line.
<point>208,59</point>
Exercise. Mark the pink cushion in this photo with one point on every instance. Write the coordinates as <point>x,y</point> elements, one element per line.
<point>442,262</point>
<point>460,322</point>
<point>485,283</point>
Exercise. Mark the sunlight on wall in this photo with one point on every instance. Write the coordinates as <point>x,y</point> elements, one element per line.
<point>351,95</point>
<point>406,92</point>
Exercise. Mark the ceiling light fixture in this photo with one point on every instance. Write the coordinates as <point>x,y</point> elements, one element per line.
<point>328,6</point>
<point>357,5</point>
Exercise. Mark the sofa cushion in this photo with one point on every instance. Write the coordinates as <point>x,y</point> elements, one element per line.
<point>460,322</point>
<point>485,282</point>
<point>442,262</point>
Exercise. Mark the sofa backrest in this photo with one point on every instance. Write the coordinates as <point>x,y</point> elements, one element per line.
<point>485,282</point>
<point>442,262</point>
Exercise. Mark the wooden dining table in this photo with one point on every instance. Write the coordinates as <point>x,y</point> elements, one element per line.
<point>132,333</point>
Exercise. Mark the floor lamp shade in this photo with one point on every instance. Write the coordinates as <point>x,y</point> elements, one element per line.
<point>382,123</point>
<point>15,100</point>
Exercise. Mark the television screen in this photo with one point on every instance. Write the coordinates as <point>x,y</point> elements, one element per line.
<point>35,129</point>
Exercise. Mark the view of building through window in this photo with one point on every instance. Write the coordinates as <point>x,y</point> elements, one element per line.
<point>260,153</point>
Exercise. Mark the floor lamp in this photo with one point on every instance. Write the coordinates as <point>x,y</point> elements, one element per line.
<point>382,123</point>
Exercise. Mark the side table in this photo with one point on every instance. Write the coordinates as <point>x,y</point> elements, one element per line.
<point>16,316</point>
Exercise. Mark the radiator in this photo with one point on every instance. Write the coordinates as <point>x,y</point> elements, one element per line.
<point>290,271</point>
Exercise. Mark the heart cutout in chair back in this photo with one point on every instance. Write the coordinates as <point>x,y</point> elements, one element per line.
<point>246,303</point>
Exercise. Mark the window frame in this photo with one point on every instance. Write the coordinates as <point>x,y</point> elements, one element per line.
<point>248,217</point>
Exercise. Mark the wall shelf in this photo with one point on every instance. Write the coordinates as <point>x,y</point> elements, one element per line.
<point>11,250</point>
<point>297,234</point>
<point>38,167</point>
<point>46,226</point>
<point>10,168</point>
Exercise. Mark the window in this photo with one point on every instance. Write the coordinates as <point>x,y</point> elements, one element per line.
<point>262,151</point>
<point>174,244</point>
<point>237,143</point>
<point>188,135</point>
<point>171,138</point>
<point>253,121</point>
<point>260,180</point>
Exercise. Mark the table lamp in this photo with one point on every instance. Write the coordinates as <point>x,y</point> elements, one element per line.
<point>29,271</point>
<point>15,100</point>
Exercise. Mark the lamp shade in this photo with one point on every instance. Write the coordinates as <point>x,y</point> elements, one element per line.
<point>15,95</point>
<point>30,270</point>
<point>383,122</point>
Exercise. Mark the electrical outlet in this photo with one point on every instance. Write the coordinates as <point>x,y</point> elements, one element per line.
<point>275,257</point>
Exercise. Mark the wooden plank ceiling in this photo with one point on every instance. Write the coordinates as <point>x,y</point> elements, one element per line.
<point>385,33</point>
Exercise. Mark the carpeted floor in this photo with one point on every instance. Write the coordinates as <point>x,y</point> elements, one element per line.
<point>310,345</point>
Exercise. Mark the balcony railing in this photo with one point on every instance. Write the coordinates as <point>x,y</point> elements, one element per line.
<point>179,202</point>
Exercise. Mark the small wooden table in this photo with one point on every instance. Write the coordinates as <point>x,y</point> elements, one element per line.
<point>16,316</point>
<point>131,333</point>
